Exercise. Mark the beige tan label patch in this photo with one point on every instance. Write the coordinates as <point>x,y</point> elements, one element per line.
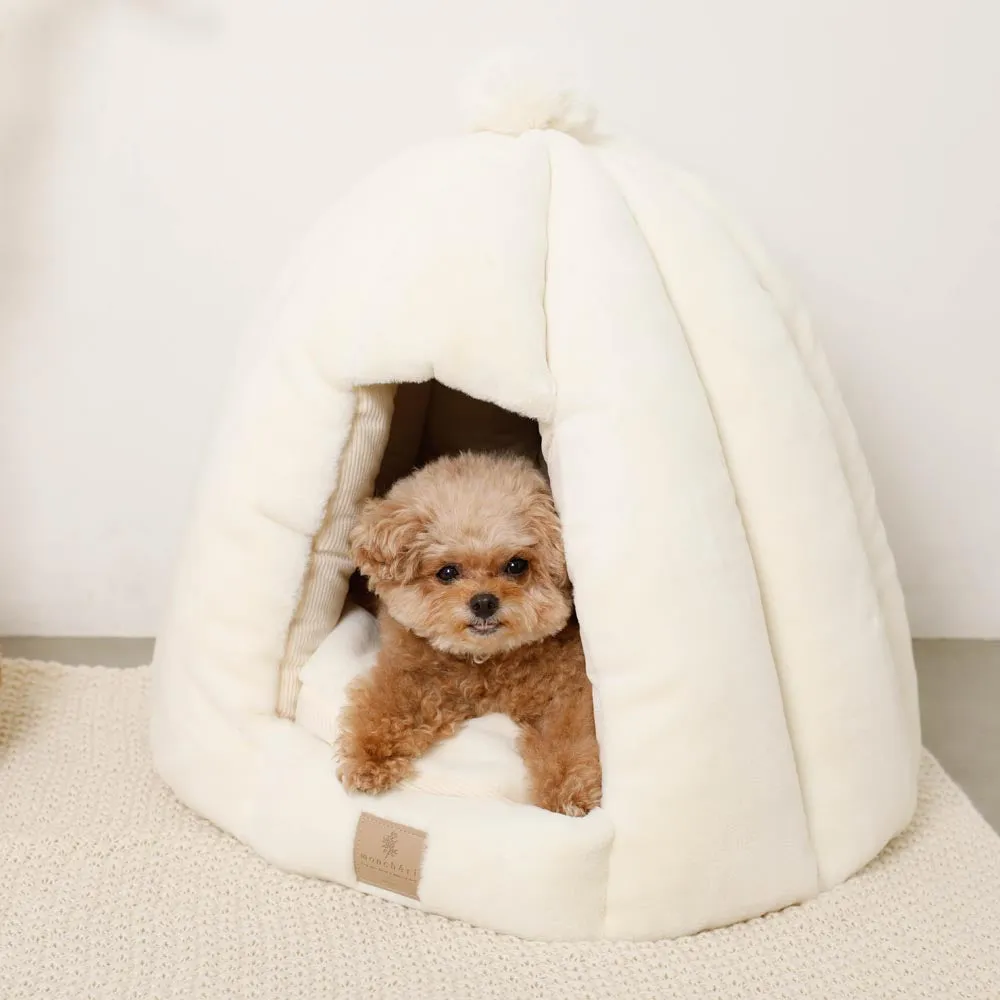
<point>388,855</point>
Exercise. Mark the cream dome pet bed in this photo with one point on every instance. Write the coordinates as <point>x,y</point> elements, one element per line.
<point>531,285</point>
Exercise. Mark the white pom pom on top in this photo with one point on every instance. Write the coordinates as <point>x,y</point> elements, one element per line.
<point>515,92</point>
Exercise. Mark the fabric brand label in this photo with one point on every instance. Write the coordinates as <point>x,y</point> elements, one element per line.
<point>389,855</point>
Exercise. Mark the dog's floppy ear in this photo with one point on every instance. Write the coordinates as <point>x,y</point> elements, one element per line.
<point>384,541</point>
<point>543,521</point>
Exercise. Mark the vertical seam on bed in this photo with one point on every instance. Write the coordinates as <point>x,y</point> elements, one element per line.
<point>789,321</point>
<point>736,498</point>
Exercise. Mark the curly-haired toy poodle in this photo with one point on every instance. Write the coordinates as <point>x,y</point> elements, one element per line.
<point>466,558</point>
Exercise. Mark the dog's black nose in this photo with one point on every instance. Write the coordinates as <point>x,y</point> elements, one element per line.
<point>484,605</point>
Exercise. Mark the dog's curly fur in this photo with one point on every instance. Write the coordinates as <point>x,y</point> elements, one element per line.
<point>441,663</point>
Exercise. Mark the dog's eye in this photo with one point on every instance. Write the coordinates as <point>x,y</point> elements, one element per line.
<point>516,566</point>
<point>448,573</point>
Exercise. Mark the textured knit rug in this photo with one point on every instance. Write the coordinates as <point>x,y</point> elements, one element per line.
<point>110,888</point>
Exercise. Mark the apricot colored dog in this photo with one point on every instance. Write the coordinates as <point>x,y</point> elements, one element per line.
<point>466,558</point>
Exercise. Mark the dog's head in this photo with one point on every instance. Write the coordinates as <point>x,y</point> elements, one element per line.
<point>467,553</point>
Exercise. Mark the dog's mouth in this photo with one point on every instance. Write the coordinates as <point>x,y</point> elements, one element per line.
<point>484,627</point>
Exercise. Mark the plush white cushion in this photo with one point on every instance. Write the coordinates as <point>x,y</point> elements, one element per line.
<point>741,617</point>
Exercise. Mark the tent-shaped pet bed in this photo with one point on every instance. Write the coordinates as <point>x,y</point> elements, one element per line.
<point>531,285</point>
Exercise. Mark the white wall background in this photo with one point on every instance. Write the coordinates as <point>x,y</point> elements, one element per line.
<point>169,156</point>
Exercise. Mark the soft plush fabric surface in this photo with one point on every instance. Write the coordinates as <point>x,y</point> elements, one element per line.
<point>739,606</point>
<point>109,888</point>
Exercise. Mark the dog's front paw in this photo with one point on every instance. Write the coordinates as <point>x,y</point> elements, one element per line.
<point>574,795</point>
<point>570,807</point>
<point>369,775</point>
<point>578,802</point>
